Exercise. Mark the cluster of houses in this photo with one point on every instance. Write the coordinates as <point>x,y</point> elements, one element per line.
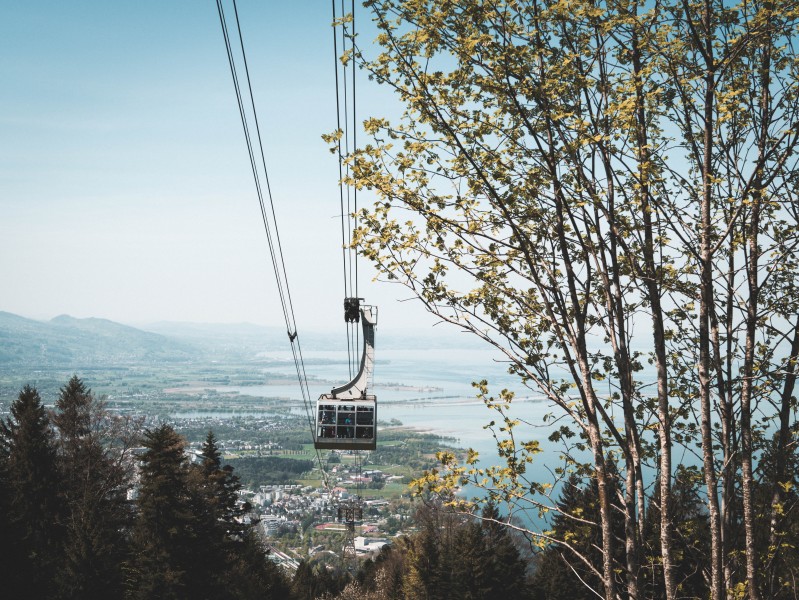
<point>282,508</point>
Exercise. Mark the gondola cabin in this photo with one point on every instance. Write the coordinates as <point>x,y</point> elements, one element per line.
<point>345,424</point>
<point>346,418</point>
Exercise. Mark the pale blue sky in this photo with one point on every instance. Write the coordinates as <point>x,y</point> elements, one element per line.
<point>125,189</point>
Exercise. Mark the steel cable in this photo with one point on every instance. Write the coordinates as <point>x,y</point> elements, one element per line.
<point>273,241</point>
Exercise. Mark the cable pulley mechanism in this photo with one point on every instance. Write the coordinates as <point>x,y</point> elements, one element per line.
<point>352,310</point>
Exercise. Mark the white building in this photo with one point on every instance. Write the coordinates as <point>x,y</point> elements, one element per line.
<point>369,546</point>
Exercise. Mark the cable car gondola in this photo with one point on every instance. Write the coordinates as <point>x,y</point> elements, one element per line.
<point>346,418</point>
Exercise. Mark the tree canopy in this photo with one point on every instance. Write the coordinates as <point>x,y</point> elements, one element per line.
<point>606,193</point>
<point>69,530</point>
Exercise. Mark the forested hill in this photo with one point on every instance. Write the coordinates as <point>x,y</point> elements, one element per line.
<point>65,341</point>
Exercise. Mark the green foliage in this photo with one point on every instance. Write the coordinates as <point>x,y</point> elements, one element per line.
<point>164,533</point>
<point>450,557</point>
<point>565,570</point>
<point>382,577</point>
<point>93,453</point>
<point>218,488</point>
<point>265,470</point>
<point>33,514</point>
<point>73,416</point>
<point>406,448</point>
<point>252,576</point>
<point>570,181</point>
<point>67,529</point>
<point>779,488</point>
<point>317,581</point>
<point>692,528</point>
<point>187,540</point>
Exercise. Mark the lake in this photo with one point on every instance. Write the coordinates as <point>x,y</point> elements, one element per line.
<point>426,389</point>
<point>429,390</point>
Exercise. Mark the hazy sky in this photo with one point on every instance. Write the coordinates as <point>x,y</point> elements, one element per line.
<point>125,189</point>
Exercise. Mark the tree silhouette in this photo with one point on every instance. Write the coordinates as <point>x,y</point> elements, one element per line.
<point>163,533</point>
<point>31,481</point>
<point>93,495</point>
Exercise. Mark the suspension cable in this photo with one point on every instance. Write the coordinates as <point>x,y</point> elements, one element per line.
<point>346,144</point>
<point>342,210</point>
<point>354,144</point>
<point>354,134</point>
<point>269,220</point>
<point>348,221</point>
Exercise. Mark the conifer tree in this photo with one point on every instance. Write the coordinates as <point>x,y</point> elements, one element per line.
<point>564,571</point>
<point>505,569</point>
<point>252,576</point>
<point>73,411</point>
<point>31,481</point>
<point>163,535</point>
<point>187,540</point>
<point>428,558</point>
<point>454,556</point>
<point>390,566</point>
<point>221,487</point>
<point>304,583</point>
<point>311,583</point>
<point>451,557</point>
<point>469,564</point>
<point>94,496</point>
<point>7,550</point>
<point>692,528</point>
<point>216,513</point>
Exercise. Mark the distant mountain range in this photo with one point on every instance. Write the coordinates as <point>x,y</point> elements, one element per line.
<point>67,341</point>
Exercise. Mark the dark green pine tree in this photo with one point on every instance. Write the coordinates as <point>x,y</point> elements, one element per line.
<point>304,584</point>
<point>73,411</point>
<point>187,540</point>
<point>219,534</point>
<point>252,576</point>
<point>476,559</point>
<point>94,497</point>
<point>469,565</point>
<point>560,574</point>
<point>221,490</point>
<point>690,544</point>
<point>428,566</point>
<point>312,581</point>
<point>211,553</point>
<point>505,568</point>
<point>210,454</point>
<point>230,561</point>
<point>163,535</point>
<point>33,536</point>
<point>445,552</point>
<point>385,573</point>
<point>7,550</point>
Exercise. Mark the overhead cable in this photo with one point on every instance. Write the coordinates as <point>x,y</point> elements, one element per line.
<point>256,156</point>
<point>346,126</point>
